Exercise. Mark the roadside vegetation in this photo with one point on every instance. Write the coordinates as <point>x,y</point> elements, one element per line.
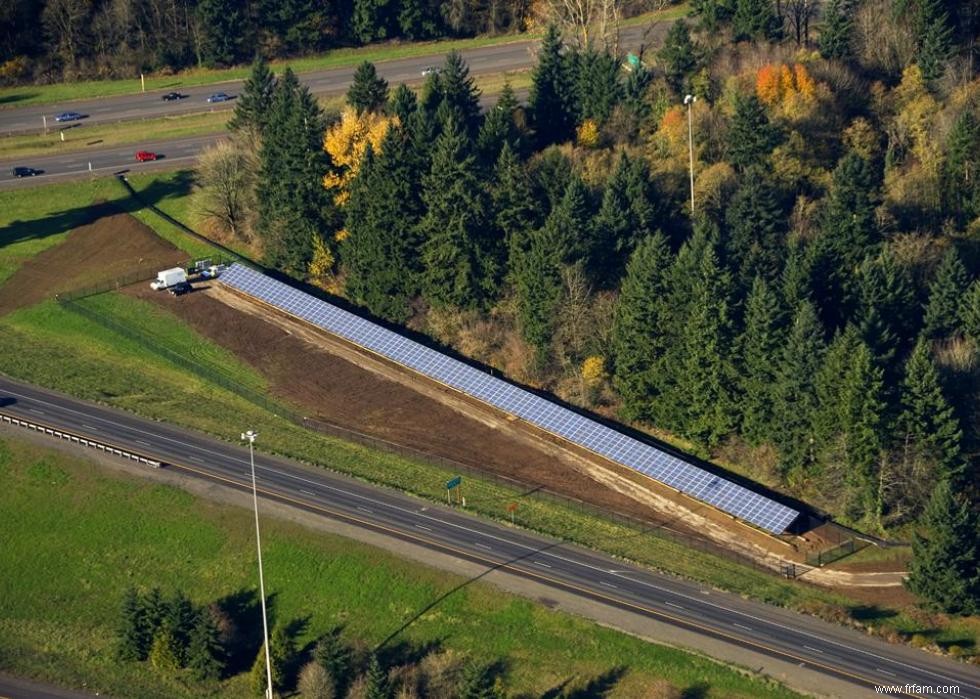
<point>80,543</point>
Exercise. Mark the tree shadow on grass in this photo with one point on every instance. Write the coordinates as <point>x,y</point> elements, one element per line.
<point>596,688</point>
<point>243,639</point>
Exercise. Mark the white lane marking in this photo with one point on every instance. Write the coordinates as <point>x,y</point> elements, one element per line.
<point>140,441</point>
<point>35,410</point>
<point>488,535</point>
<point>89,427</point>
<point>364,509</point>
<point>671,604</point>
<point>815,650</point>
<point>308,492</point>
<point>422,526</point>
<point>741,626</point>
<point>482,546</point>
<point>545,565</point>
<point>196,460</point>
<point>885,672</point>
<point>608,584</point>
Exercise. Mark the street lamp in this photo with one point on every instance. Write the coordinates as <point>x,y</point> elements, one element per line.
<point>689,100</point>
<point>250,436</point>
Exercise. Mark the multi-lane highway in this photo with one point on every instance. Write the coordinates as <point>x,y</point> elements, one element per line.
<point>842,655</point>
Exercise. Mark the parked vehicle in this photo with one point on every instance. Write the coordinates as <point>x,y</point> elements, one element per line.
<point>219,97</point>
<point>213,272</point>
<point>180,289</point>
<point>68,116</point>
<point>25,172</point>
<point>168,278</point>
<point>144,155</point>
<point>172,97</point>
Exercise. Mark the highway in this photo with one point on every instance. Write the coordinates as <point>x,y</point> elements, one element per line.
<point>837,652</point>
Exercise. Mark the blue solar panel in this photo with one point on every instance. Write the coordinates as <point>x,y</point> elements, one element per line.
<point>540,412</point>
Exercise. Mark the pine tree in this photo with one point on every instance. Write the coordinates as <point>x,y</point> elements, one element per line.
<point>678,56</point>
<point>500,128</point>
<point>760,345</point>
<point>403,104</point>
<point>477,683</point>
<point>795,283</point>
<point>380,252</point>
<point>163,651</point>
<point>155,607</point>
<point>551,173</point>
<point>205,654</point>
<point>516,212</point>
<point>750,137</point>
<point>945,568</point>
<point>459,96</point>
<point>829,391</point>
<point>181,618</point>
<point>946,294</point>
<point>552,92</point>
<point>369,91</point>
<point>934,38</point>
<point>334,657</point>
<point>970,312</point>
<point>927,423</point>
<point>133,642</point>
<point>614,226</point>
<point>712,13</point>
<point>755,223</point>
<point>638,325</point>
<point>461,259</point>
<point>794,399</point>
<point>224,32</point>
<point>755,19</point>
<point>961,169</point>
<point>570,222</point>
<point>253,104</point>
<point>644,209</point>
<point>836,34</point>
<point>538,288</point>
<point>377,680</point>
<point>371,20</point>
<point>418,19</point>
<point>598,88</point>
<point>886,299</point>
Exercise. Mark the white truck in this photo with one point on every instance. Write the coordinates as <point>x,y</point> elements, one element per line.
<point>168,278</point>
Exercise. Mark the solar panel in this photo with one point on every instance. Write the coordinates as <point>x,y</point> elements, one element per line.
<point>540,412</point>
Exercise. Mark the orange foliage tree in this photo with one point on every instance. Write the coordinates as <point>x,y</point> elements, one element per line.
<point>346,142</point>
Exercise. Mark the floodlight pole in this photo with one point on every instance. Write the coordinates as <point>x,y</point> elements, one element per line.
<point>689,100</point>
<point>250,436</point>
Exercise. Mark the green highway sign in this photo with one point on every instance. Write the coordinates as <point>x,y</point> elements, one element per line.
<point>454,482</point>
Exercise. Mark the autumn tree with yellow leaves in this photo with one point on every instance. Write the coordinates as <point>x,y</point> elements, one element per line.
<point>346,142</point>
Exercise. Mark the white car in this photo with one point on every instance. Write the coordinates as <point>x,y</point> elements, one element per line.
<point>430,70</point>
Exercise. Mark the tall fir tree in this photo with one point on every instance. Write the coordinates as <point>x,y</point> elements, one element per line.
<point>755,19</point>
<point>598,86</point>
<point>961,169</point>
<point>538,288</point>
<point>552,92</point>
<point>678,56</point>
<point>460,254</point>
<point>181,618</point>
<point>551,171</point>
<point>933,37</point>
<point>477,682</point>
<point>377,685</point>
<point>133,638</point>
<point>628,214</point>
<point>945,568</point>
<point>224,32</point>
<point>403,104</point>
<point>794,399</point>
<point>751,137</point>
<point>970,312</point>
<point>253,105</point>
<point>639,326</point>
<point>829,392</point>
<point>571,224</point>
<point>836,33</point>
<point>369,91</point>
<point>515,210</point>
<point>205,654</point>
<point>942,313</point>
<point>334,656</point>
<point>927,425</point>
<point>885,314</point>
<point>459,95</point>
<point>499,128</point>
<point>759,349</point>
<point>755,227</point>
<point>372,20</point>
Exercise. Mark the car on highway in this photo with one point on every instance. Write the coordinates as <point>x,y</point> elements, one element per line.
<point>144,155</point>
<point>172,97</point>
<point>68,116</point>
<point>25,172</point>
<point>429,70</point>
<point>219,97</point>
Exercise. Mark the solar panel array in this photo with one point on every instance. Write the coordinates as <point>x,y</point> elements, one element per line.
<point>544,414</point>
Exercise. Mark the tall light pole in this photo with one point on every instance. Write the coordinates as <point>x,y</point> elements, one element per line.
<point>250,436</point>
<point>689,100</point>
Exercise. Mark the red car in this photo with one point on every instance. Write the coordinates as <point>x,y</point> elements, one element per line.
<point>144,155</point>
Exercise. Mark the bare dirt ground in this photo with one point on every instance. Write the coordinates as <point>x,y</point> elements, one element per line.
<point>113,246</point>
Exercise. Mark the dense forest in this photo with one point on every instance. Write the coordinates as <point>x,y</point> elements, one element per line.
<point>813,319</point>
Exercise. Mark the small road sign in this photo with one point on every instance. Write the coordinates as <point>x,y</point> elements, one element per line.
<point>453,483</point>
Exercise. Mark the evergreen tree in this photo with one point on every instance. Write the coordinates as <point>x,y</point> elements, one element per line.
<point>627,215</point>
<point>760,345</point>
<point>133,640</point>
<point>552,92</point>
<point>403,104</point>
<point>380,252</point>
<point>678,56</point>
<point>755,19</point>
<point>514,204</point>
<point>598,86</point>
<point>927,423</point>
<point>644,210</point>
<point>945,568</point>
<point>459,95</point>
<point>477,683</point>
<point>224,31</point>
<point>538,288</point>
<point>836,34</point>
<point>205,654</point>
<point>750,137</point>
<point>934,38</point>
<point>946,294</point>
<point>155,608</point>
<point>755,223</point>
<point>829,390</point>
<point>164,651</point>
<point>794,399</point>
<point>886,297</point>
<point>371,20</point>
<point>253,104</point>
<point>334,657</point>
<point>570,222</point>
<point>712,13</point>
<point>459,256</point>
<point>970,312</point>
<point>639,325</point>
<point>961,169</point>
<point>795,281</point>
<point>293,204</point>
<point>181,618</point>
<point>499,128</point>
<point>418,19</point>
<point>552,173</point>
<point>369,91</point>
<point>377,680</point>
<point>635,94</point>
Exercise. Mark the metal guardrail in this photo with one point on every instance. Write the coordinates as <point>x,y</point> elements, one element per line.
<point>79,439</point>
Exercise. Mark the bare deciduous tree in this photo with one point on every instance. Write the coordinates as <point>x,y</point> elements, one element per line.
<point>799,13</point>
<point>226,194</point>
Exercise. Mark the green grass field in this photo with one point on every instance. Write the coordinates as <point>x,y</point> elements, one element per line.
<point>38,343</point>
<point>76,537</point>
<point>34,95</point>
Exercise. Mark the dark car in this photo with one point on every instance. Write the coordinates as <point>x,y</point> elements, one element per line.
<point>219,97</point>
<point>172,97</point>
<point>68,116</point>
<point>180,289</point>
<point>25,172</point>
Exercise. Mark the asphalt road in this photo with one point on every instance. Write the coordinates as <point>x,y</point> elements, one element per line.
<point>832,650</point>
<point>517,55</point>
